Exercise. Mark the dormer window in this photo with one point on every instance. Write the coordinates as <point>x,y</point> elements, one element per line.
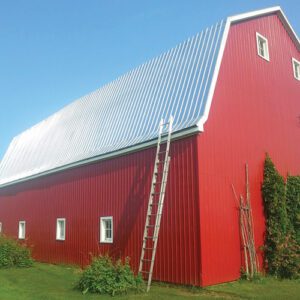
<point>262,46</point>
<point>296,68</point>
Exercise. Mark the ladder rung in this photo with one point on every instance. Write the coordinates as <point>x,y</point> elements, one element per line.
<point>154,204</point>
<point>150,237</point>
<point>148,248</point>
<point>150,215</point>
<point>160,162</point>
<point>157,193</point>
<point>151,226</point>
<point>145,259</point>
<point>145,272</point>
<point>161,152</point>
<point>156,173</point>
<point>159,182</point>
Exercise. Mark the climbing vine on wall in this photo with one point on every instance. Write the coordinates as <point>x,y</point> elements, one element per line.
<point>281,248</point>
<point>293,204</point>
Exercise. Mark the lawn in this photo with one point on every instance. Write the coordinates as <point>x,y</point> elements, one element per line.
<point>45,281</point>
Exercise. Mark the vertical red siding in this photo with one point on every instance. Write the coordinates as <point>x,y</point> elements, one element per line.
<point>255,110</point>
<point>120,188</point>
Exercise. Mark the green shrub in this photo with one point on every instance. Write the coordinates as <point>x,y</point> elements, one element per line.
<point>105,277</point>
<point>293,204</point>
<point>14,254</point>
<point>281,248</point>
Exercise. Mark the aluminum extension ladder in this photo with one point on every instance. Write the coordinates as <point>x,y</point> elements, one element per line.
<point>156,201</point>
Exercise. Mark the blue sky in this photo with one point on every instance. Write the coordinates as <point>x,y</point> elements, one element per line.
<point>55,51</point>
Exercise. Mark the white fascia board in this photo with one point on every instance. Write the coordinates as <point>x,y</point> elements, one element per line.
<point>176,135</point>
<point>254,14</point>
<point>236,19</point>
<point>289,29</point>
<point>210,95</point>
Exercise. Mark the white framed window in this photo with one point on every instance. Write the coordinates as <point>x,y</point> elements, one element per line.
<point>296,68</point>
<point>22,228</point>
<point>262,46</point>
<point>61,229</point>
<point>106,230</point>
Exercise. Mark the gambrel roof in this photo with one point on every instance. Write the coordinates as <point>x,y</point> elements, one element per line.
<point>124,115</point>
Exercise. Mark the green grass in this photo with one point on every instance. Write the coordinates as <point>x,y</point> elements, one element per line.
<point>44,281</point>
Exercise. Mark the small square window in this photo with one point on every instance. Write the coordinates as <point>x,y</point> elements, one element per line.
<point>61,229</point>
<point>106,229</point>
<point>296,68</point>
<point>22,230</point>
<point>262,46</point>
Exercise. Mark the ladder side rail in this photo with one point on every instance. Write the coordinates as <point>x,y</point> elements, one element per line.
<point>162,196</point>
<point>150,201</point>
<point>157,222</point>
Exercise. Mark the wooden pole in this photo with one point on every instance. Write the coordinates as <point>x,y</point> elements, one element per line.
<point>243,238</point>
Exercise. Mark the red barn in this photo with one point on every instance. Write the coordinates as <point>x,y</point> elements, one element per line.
<point>78,183</point>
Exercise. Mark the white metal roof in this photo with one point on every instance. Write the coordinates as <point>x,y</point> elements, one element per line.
<point>124,114</point>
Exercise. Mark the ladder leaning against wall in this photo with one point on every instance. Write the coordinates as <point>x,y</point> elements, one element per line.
<point>156,201</point>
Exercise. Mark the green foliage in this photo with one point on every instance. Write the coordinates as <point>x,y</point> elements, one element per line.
<point>105,277</point>
<point>281,248</point>
<point>293,204</point>
<point>13,254</point>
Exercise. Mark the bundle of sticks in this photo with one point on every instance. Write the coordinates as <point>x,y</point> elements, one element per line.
<point>247,230</point>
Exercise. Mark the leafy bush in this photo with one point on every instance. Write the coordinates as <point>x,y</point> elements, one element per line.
<point>293,203</point>
<point>281,249</point>
<point>105,277</point>
<point>14,254</point>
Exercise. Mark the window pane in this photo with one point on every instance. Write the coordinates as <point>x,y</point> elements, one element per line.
<point>261,47</point>
<point>108,224</point>
<point>21,230</point>
<point>297,70</point>
<point>62,229</point>
<point>106,230</point>
<point>108,234</point>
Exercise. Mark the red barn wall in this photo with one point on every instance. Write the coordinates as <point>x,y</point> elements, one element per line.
<point>120,188</point>
<point>255,109</point>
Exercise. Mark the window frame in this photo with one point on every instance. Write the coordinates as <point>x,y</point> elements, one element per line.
<point>22,237</point>
<point>266,49</point>
<point>294,63</point>
<point>0,227</point>
<point>58,230</point>
<point>103,238</point>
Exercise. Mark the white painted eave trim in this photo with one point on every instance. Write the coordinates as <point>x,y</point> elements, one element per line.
<point>254,14</point>
<point>176,135</point>
<point>210,95</point>
<point>233,20</point>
